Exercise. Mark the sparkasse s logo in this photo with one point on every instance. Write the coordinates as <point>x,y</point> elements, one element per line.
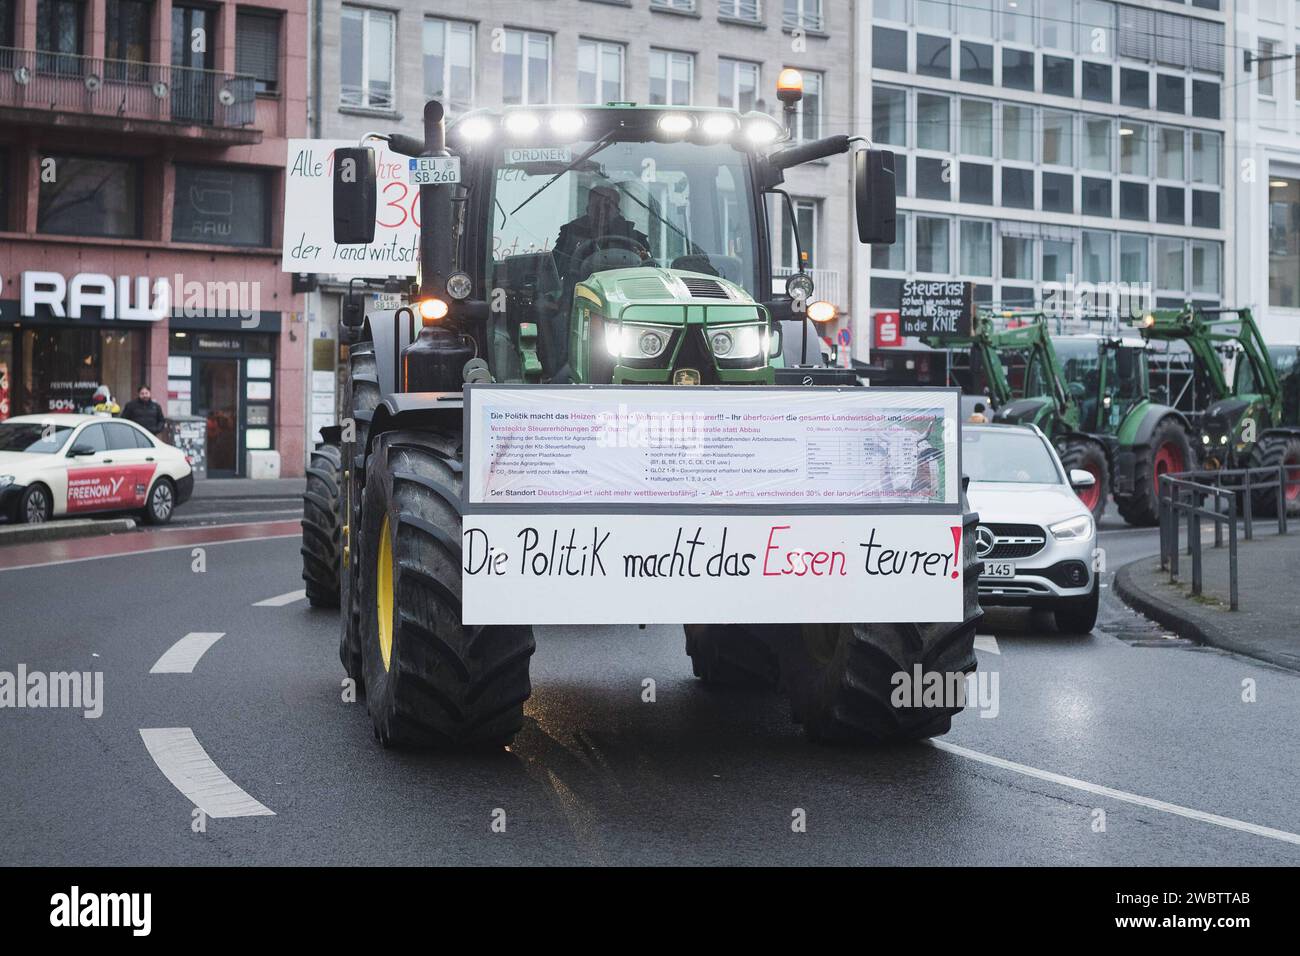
<point>103,909</point>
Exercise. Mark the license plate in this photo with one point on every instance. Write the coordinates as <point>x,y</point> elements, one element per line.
<point>433,170</point>
<point>998,569</point>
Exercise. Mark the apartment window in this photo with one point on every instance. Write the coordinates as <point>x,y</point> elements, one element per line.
<point>526,68</point>
<point>738,84</point>
<point>1017,187</point>
<point>740,9</point>
<point>932,122</point>
<point>890,10</point>
<point>684,6</point>
<point>126,35</point>
<point>257,48</point>
<point>976,62</point>
<point>976,247</point>
<point>933,178</point>
<point>1018,258</point>
<point>1096,144</point>
<point>449,63</point>
<point>1058,75</point>
<point>7,22</point>
<point>808,112</point>
<point>1134,259</point>
<point>1171,202</point>
<point>1095,195</point>
<point>888,116</point>
<point>90,197</point>
<point>1206,267</point>
<point>1171,93</point>
<point>1134,201</point>
<point>1133,149</point>
<point>1169,264</point>
<point>1284,242</point>
<point>933,56</point>
<point>1058,138</point>
<point>366,58</point>
<point>1096,82</point>
<point>889,49</point>
<point>977,127</point>
<point>934,13</point>
<point>600,71</point>
<point>932,245</point>
<point>1058,192</point>
<point>1170,163</point>
<point>672,78</point>
<point>1017,133</point>
<point>1017,69</point>
<point>1205,99</point>
<point>222,205</point>
<point>1096,257</point>
<point>1207,150</point>
<point>805,215</point>
<point>803,15</point>
<point>1267,49</point>
<point>891,258</point>
<point>1096,28</point>
<point>977,183</point>
<point>1134,88</point>
<point>59,29</point>
<point>1205,209</point>
<point>1058,260</point>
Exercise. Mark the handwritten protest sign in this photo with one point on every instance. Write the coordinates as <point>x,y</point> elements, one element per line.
<point>655,505</point>
<point>309,219</point>
<point>936,308</point>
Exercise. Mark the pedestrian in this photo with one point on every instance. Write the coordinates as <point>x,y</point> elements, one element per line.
<point>145,412</point>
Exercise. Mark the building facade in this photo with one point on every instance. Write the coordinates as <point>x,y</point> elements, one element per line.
<point>379,63</point>
<point>142,152</point>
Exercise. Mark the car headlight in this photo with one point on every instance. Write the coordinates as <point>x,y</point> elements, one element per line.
<point>636,341</point>
<point>1072,529</point>
<point>6,480</point>
<point>739,342</point>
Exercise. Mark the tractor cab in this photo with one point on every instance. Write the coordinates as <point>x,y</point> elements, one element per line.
<point>1106,377</point>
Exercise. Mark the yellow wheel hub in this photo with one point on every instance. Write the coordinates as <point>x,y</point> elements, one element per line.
<point>384,595</point>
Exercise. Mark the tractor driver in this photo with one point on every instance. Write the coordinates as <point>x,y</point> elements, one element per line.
<point>603,218</point>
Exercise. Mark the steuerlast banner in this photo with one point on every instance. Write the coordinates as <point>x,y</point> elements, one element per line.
<point>674,505</point>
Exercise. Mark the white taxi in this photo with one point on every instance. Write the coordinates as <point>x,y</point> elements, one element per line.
<point>57,465</point>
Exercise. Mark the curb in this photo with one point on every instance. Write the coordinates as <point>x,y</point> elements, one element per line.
<point>61,530</point>
<point>1177,620</point>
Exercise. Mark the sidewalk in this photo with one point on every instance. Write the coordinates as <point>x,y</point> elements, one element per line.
<point>248,488</point>
<point>1267,625</point>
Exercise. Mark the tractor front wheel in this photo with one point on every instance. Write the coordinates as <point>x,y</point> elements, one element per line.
<point>360,399</point>
<point>322,517</point>
<point>730,654</point>
<point>1271,452</point>
<point>1089,456</point>
<point>1168,452</point>
<point>430,680</point>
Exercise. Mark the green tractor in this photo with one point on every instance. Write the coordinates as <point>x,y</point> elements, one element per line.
<point>1090,395</point>
<point>594,245</point>
<point>1254,420</point>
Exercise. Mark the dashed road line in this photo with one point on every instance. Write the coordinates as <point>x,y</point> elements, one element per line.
<point>181,657</point>
<point>184,762</point>
<point>280,600</point>
<point>1122,795</point>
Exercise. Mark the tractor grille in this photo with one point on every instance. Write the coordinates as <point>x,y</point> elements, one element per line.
<point>1015,541</point>
<point>704,289</point>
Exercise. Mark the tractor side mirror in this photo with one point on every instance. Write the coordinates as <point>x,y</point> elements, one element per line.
<point>875,195</point>
<point>353,315</point>
<point>1082,479</point>
<point>354,195</point>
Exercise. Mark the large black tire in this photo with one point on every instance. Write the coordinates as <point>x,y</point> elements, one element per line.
<point>360,399</point>
<point>1270,452</point>
<point>322,522</point>
<point>1079,615</point>
<point>840,677</point>
<point>431,681</point>
<point>1091,457</point>
<point>730,654</point>
<point>1169,450</point>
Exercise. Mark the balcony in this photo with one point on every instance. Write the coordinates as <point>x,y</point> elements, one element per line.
<point>826,283</point>
<point>38,87</point>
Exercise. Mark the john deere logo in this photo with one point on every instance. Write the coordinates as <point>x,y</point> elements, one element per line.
<point>984,542</point>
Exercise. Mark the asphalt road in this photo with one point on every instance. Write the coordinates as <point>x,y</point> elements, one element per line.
<point>599,776</point>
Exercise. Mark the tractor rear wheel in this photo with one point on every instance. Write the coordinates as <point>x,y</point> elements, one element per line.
<point>730,654</point>
<point>1168,452</point>
<point>360,399</point>
<point>430,680</point>
<point>1270,452</point>
<point>840,678</point>
<point>1090,457</point>
<point>322,517</point>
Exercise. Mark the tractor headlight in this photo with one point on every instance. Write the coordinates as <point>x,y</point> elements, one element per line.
<point>459,285</point>
<point>739,342</point>
<point>635,341</point>
<point>1072,529</point>
<point>1223,439</point>
<point>1205,439</point>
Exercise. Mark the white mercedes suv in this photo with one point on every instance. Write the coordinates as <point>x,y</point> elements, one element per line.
<point>1036,538</point>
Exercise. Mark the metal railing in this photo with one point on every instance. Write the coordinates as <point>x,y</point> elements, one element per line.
<point>69,83</point>
<point>1186,493</point>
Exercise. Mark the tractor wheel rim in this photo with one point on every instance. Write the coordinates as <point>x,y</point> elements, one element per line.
<point>1089,496</point>
<point>1168,460</point>
<point>384,595</point>
<point>1292,464</point>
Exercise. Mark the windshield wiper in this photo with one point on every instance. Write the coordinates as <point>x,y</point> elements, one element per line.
<point>695,249</point>
<point>590,152</point>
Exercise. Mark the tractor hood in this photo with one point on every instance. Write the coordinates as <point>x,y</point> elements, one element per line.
<point>657,295</point>
<point>1025,411</point>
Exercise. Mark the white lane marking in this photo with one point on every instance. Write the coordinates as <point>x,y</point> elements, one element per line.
<point>170,547</point>
<point>1121,795</point>
<point>181,657</point>
<point>987,642</point>
<point>184,762</point>
<point>280,600</point>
